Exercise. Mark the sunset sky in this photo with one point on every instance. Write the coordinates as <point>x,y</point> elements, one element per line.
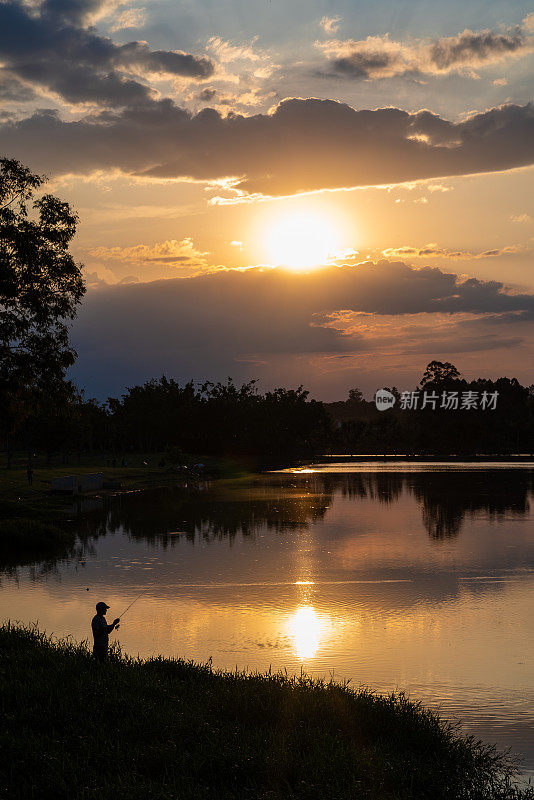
<point>327,193</point>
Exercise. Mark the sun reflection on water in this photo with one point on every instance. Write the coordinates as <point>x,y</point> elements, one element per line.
<point>305,627</point>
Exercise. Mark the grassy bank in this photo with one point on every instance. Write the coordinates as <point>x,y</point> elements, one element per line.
<point>142,472</point>
<point>165,729</point>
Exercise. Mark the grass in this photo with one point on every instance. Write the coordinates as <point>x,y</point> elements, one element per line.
<point>163,728</point>
<point>14,483</point>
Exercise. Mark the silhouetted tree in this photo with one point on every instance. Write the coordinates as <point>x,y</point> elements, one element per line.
<point>219,419</point>
<point>437,427</point>
<point>40,287</point>
<point>439,372</point>
<point>355,396</point>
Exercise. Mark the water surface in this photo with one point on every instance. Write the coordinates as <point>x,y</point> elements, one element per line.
<point>406,576</point>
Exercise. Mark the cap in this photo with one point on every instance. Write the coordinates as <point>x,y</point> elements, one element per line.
<point>101,606</point>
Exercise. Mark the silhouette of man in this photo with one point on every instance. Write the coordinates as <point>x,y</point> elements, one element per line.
<point>101,631</point>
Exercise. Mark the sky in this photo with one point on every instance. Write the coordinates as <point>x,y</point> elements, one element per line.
<point>303,192</point>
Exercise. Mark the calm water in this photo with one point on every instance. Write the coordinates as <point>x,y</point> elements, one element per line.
<point>413,577</point>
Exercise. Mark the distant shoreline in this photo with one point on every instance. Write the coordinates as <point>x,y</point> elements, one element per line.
<point>512,457</point>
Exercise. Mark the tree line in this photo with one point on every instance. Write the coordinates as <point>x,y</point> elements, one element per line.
<point>444,414</point>
<point>226,419</point>
<point>220,419</point>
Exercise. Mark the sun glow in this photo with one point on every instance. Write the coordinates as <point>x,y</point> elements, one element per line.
<point>302,240</point>
<point>305,627</point>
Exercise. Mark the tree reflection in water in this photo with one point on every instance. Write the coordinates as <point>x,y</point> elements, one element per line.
<point>290,501</point>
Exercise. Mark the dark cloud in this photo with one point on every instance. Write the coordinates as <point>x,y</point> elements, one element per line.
<point>232,322</point>
<point>380,57</point>
<point>207,94</point>
<point>78,12</point>
<point>473,49</point>
<point>303,145</point>
<point>53,50</point>
<point>367,64</point>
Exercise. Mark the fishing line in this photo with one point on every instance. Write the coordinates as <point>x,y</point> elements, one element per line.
<point>137,598</point>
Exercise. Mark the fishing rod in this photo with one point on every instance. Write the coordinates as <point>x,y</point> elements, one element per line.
<point>137,598</point>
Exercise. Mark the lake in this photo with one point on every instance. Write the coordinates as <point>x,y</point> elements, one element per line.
<point>415,577</point>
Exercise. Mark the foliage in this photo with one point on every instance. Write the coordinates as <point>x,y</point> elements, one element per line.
<point>166,728</point>
<point>261,429</point>
<point>509,428</point>
<point>439,372</point>
<point>40,287</point>
<point>40,283</point>
<point>355,396</point>
<point>218,418</point>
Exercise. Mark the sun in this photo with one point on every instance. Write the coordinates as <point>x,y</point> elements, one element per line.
<point>301,240</point>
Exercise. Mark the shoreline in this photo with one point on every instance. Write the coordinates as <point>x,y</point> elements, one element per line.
<point>167,728</point>
<point>422,459</point>
<point>35,523</point>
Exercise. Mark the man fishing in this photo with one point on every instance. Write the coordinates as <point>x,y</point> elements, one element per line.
<point>101,631</point>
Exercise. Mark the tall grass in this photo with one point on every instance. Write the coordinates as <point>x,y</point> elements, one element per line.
<point>167,729</point>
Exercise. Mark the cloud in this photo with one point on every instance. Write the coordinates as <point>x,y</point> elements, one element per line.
<point>129,18</point>
<point>301,146</point>
<point>207,94</point>
<point>422,333</point>
<point>222,323</point>
<point>241,74</point>
<point>521,218</point>
<point>470,49</point>
<point>245,100</point>
<point>380,57</point>
<point>173,253</point>
<point>374,57</point>
<point>330,24</point>
<point>11,89</point>
<point>93,280</point>
<point>226,52</point>
<point>48,47</point>
<point>433,251</point>
<point>75,12</point>
<point>438,187</point>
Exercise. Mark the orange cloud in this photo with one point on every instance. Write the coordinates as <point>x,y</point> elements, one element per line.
<point>172,253</point>
<point>433,251</point>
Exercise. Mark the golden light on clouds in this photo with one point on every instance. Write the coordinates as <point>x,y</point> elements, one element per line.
<point>302,240</point>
